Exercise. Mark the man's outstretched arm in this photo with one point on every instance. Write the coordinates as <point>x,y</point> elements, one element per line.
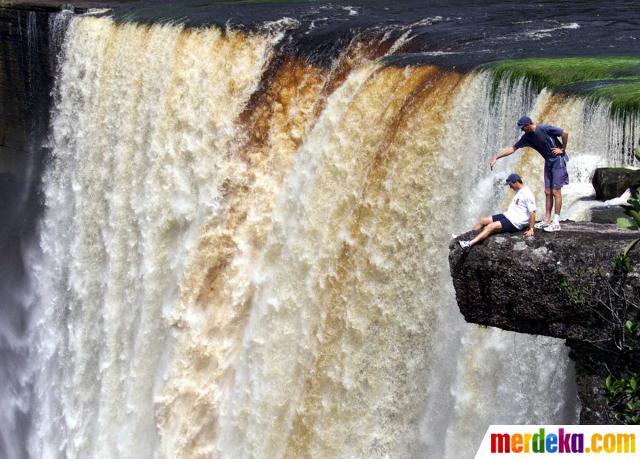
<point>506,152</point>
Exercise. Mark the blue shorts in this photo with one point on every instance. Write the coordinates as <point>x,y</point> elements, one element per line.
<point>555,178</point>
<point>507,226</point>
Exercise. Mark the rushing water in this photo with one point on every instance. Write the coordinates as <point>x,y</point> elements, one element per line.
<point>25,77</point>
<point>243,250</point>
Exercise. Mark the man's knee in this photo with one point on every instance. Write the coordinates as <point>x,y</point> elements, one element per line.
<point>557,193</point>
<point>547,191</point>
<point>494,227</point>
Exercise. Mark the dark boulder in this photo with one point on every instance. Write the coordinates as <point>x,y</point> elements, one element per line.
<point>611,182</point>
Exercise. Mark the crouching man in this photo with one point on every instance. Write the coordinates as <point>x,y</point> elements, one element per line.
<point>520,214</point>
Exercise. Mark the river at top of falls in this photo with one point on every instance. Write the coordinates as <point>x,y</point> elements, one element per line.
<point>244,249</point>
<point>448,33</point>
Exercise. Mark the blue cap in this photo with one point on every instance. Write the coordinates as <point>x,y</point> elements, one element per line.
<point>524,120</point>
<point>513,178</point>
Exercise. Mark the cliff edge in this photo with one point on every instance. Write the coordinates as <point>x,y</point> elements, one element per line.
<point>573,284</point>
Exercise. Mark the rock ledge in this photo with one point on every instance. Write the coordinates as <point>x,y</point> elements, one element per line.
<point>559,285</point>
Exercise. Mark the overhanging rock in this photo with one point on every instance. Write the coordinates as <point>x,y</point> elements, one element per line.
<point>561,284</point>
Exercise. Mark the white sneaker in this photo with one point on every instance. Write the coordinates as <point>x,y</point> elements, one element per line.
<point>466,246</point>
<point>542,224</point>
<point>555,226</point>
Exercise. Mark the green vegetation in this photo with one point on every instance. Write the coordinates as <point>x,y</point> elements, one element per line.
<point>622,392</point>
<point>622,263</point>
<point>623,398</point>
<point>633,328</point>
<point>625,97</point>
<point>574,294</point>
<point>612,78</point>
<point>554,73</point>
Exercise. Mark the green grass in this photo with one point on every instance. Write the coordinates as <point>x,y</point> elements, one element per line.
<point>625,98</point>
<point>612,78</point>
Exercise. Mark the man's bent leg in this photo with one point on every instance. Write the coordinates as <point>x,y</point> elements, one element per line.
<point>484,221</point>
<point>489,229</point>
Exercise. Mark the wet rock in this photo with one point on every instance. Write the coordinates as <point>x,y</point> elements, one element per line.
<point>611,182</point>
<point>607,214</point>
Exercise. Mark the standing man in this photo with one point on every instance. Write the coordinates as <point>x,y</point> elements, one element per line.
<point>544,139</point>
<point>520,214</point>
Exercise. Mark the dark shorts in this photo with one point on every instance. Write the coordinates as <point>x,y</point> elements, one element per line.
<point>555,178</point>
<point>507,226</point>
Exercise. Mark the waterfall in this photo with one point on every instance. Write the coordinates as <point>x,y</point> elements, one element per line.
<point>245,254</point>
<point>142,154</point>
<point>25,84</point>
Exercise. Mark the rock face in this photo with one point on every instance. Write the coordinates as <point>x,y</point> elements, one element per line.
<point>560,285</point>
<point>607,214</point>
<point>611,182</point>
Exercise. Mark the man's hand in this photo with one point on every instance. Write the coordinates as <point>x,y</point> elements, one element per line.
<point>557,151</point>
<point>529,233</point>
<point>506,152</point>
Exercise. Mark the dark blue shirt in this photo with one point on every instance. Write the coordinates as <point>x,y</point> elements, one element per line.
<point>543,140</point>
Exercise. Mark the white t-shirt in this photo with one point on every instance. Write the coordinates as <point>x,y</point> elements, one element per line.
<point>522,204</point>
